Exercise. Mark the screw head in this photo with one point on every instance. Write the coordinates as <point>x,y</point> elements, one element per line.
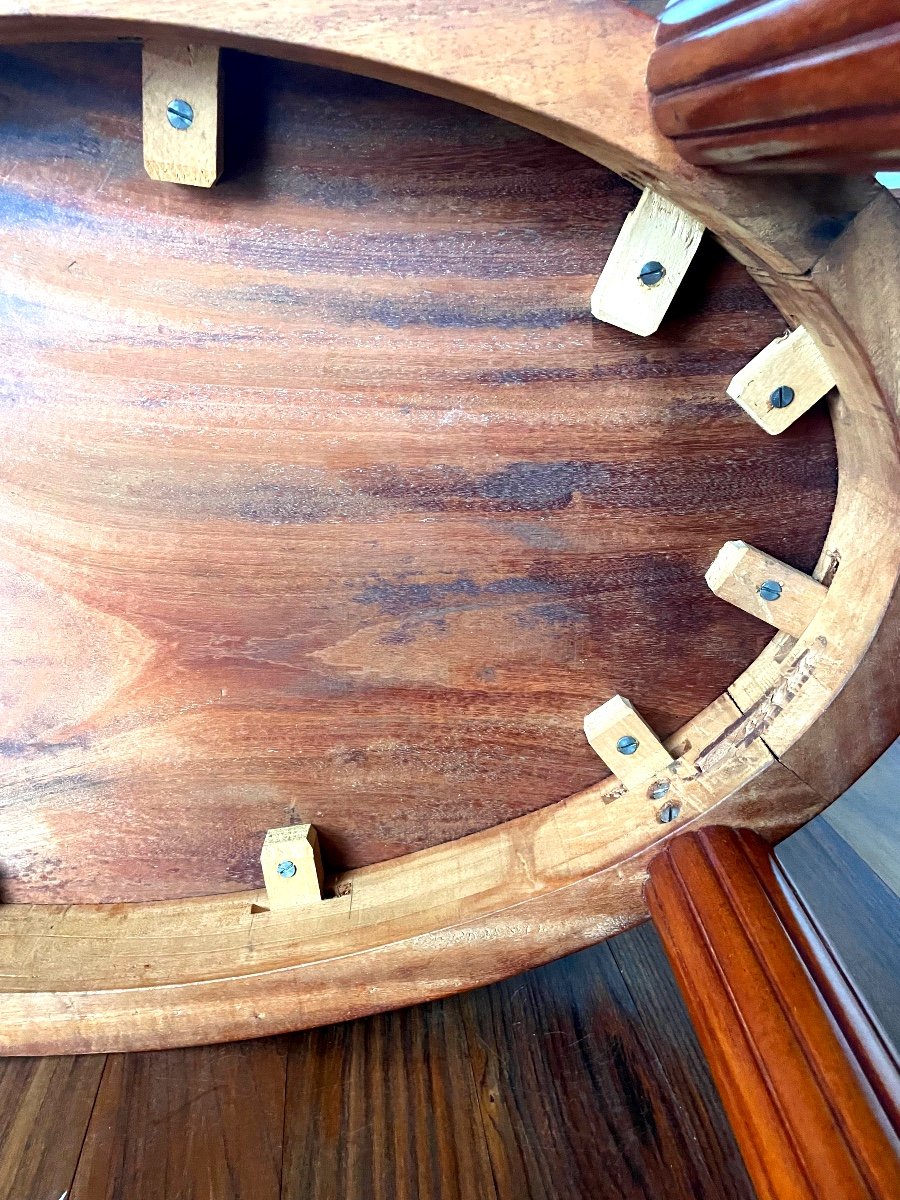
<point>286,869</point>
<point>669,813</point>
<point>659,790</point>
<point>782,396</point>
<point>627,744</point>
<point>651,273</point>
<point>180,114</point>
<point>770,590</point>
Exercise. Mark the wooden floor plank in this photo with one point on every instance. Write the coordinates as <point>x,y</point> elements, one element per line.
<point>45,1107</point>
<point>199,1124</point>
<point>385,1109</point>
<point>668,1032</point>
<point>575,1101</point>
<point>858,914</point>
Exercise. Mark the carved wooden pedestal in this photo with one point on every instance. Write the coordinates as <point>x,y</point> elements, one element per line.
<point>809,1085</point>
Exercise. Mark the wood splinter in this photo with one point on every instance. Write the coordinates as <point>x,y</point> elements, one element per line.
<point>626,743</point>
<point>182,113</point>
<point>648,261</point>
<point>783,381</point>
<point>292,866</point>
<point>761,585</point>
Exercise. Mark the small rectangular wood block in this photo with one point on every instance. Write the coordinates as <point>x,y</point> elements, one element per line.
<point>739,571</point>
<point>295,846</point>
<point>177,71</point>
<point>656,231</point>
<point>605,729</point>
<point>792,361</point>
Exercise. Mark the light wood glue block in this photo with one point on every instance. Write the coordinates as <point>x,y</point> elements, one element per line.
<point>182,113</point>
<point>766,588</point>
<point>625,742</point>
<point>648,261</point>
<point>292,866</point>
<point>782,382</point>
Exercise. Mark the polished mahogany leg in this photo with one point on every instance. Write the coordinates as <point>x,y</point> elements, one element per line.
<point>809,1084</point>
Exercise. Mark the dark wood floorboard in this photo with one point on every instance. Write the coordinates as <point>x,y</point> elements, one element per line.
<point>385,1109</point>
<point>857,911</point>
<point>45,1107</point>
<point>198,1124</point>
<point>667,1030</point>
<point>576,1099</point>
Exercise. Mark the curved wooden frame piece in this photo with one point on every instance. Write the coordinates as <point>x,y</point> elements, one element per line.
<point>124,977</point>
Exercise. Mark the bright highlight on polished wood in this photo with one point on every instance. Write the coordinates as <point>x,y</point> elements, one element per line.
<point>792,369</point>
<point>761,585</point>
<point>182,79</point>
<point>646,265</point>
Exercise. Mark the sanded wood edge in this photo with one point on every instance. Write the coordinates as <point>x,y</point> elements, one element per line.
<point>806,1080</point>
<point>503,904</point>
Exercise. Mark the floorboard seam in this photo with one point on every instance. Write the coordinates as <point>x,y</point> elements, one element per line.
<point>87,1126</point>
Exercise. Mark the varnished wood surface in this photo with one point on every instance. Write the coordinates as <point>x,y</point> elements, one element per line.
<point>570,873</point>
<point>809,1083</point>
<point>579,1080</point>
<point>324,497</point>
<point>806,85</point>
<point>45,1108</point>
<point>186,1123</point>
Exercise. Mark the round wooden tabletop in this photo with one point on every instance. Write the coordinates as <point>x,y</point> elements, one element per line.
<point>325,500</point>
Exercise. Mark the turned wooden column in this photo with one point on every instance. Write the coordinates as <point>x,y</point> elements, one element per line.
<point>809,1085</point>
<point>800,85</point>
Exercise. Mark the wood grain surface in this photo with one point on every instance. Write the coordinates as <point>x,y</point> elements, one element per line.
<point>579,1081</point>
<point>324,498</point>
<point>45,1108</point>
<point>187,1124</point>
<point>806,1077</point>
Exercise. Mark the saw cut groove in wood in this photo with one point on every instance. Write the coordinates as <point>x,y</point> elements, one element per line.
<point>647,263</point>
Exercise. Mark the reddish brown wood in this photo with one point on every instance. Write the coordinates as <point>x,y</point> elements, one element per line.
<point>353,511</point>
<point>802,85</point>
<point>809,1085</point>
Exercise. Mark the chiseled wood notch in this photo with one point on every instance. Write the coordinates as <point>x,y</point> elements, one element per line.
<point>646,264</point>
<point>182,113</point>
<point>625,742</point>
<point>292,866</point>
<point>761,585</point>
<point>782,381</point>
<point>807,1079</point>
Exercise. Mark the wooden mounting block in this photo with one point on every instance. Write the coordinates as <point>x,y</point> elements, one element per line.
<point>768,753</point>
